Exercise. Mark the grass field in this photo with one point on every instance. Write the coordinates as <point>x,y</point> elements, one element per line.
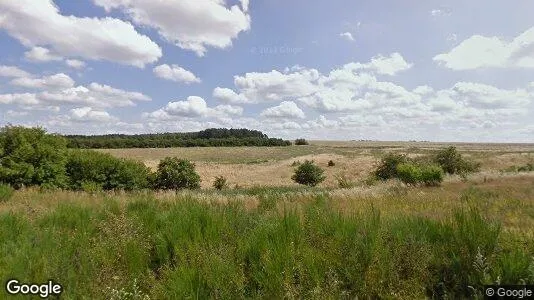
<point>271,239</point>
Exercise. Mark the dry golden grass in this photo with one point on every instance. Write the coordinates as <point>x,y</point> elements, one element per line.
<point>271,166</point>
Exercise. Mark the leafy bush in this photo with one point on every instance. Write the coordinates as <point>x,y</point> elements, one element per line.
<point>414,174</point>
<point>331,163</point>
<point>220,183</point>
<point>175,174</point>
<point>387,169</point>
<point>526,168</point>
<point>308,174</point>
<point>452,162</point>
<point>30,156</point>
<point>6,192</point>
<point>409,173</point>
<point>431,175</point>
<point>300,142</point>
<point>91,171</point>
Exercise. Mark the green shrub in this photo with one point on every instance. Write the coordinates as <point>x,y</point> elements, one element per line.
<point>6,192</point>
<point>409,173</point>
<point>387,169</point>
<point>452,162</point>
<point>175,174</point>
<point>220,183</point>
<point>90,170</point>
<point>308,174</point>
<point>331,163</point>
<point>431,175</point>
<point>414,174</point>
<point>30,156</point>
<point>526,168</point>
<point>301,142</point>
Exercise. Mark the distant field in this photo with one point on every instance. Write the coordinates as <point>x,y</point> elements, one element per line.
<point>272,166</point>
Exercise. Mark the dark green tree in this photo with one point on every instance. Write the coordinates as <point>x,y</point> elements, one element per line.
<point>176,174</point>
<point>308,174</point>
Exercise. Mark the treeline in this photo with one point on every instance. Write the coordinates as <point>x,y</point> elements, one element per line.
<point>214,137</point>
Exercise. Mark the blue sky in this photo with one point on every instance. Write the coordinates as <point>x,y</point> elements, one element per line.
<point>387,70</point>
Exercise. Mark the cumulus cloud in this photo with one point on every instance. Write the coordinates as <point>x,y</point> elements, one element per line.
<point>74,63</point>
<point>347,36</point>
<point>40,54</point>
<point>175,73</point>
<point>39,23</point>
<point>229,96</point>
<point>190,24</point>
<point>87,114</point>
<point>491,52</point>
<point>12,71</point>
<point>385,65</point>
<point>192,107</point>
<point>57,81</point>
<point>286,110</point>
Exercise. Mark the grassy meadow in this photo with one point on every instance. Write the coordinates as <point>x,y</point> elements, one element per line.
<point>265,237</point>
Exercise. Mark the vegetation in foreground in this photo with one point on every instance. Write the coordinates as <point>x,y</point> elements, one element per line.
<point>189,248</point>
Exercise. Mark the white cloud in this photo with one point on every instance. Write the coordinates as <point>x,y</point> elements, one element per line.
<point>57,81</point>
<point>11,71</point>
<point>441,12</point>
<point>74,63</point>
<point>192,107</point>
<point>229,110</point>
<point>175,73</point>
<point>190,24</point>
<point>40,54</point>
<point>39,23</point>
<point>229,96</point>
<point>87,114</point>
<point>491,52</point>
<point>347,36</point>
<point>19,99</point>
<point>286,110</point>
<point>384,65</point>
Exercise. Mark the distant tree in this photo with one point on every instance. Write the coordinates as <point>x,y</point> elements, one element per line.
<point>387,169</point>
<point>452,162</point>
<point>176,174</point>
<point>301,142</point>
<point>30,156</point>
<point>309,174</point>
<point>220,183</point>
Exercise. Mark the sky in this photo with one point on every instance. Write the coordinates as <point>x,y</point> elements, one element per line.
<point>333,70</point>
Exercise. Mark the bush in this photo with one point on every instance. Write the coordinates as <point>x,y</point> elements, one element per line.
<point>343,182</point>
<point>387,169</point>
<point>6,192</point>
<point>409,173</point>
<point>526,168</point>
<point>331,163</point>
<point>220,183</point>
<point>414,174</point>
<point>452,162</point>
<point>300,142</point>
<point>175,174</point>
<point>30,156</point>
<point>308,174</point>
<point>92,171</point>
<point>431,175</point>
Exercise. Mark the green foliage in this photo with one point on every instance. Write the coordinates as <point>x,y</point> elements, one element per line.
<point>30,156</point>
<point>92,171</point>
<point>220,183</point>
<point>331,163</point>
<point>301,142</point>
<point>343,182</point>
<point>176,174</point>
<point>387,169</point>
<point>525,168</point>
<point>452,162</point>
<point>214,137</point>
<point>308,174</point>
<point>6,192</point>
<point>194,249</point>
<point>414,174</point>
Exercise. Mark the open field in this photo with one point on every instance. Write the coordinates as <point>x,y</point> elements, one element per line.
<point>270,239</point>
<point>272,166</point>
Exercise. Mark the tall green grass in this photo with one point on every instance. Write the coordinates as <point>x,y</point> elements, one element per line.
<point>192,249</point>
